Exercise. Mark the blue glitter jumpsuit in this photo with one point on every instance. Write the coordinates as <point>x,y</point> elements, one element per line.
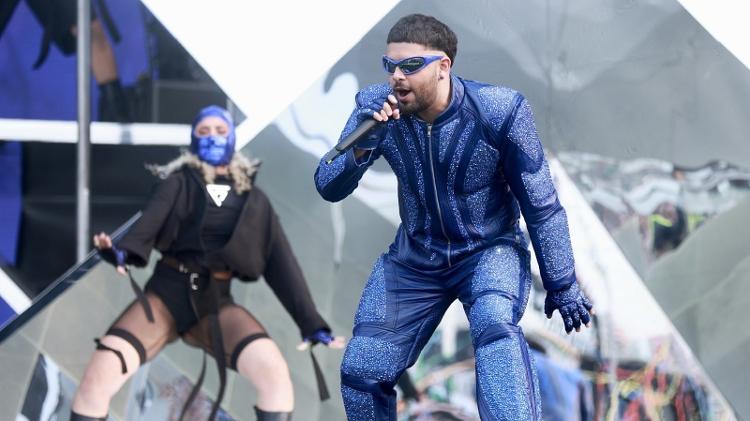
<point>461,183</point>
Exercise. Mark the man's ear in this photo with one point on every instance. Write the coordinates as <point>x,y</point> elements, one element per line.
<point>445,67</point>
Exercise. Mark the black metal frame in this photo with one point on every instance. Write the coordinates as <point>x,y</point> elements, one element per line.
<point>62,283</point>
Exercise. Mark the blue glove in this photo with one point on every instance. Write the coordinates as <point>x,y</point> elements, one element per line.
<point>113,255</point>
<point>365,112</point>
<point>573,306</point>
<point>322,336</point>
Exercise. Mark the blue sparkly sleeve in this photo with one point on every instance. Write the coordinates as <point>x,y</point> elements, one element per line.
<point>529,178</point>
<point>338,179</point>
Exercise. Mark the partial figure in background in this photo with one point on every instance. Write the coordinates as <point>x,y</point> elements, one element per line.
<point>211,224</point>
<point>59,24</point>
<point>668,226</point>
<point>467,158</point>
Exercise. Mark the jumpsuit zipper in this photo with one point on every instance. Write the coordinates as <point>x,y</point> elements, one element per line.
<point>434,189</point>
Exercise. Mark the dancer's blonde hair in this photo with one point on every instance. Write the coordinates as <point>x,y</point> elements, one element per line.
<point>241,169</point>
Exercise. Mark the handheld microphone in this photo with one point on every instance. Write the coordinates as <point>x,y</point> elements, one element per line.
<point>354,137</point>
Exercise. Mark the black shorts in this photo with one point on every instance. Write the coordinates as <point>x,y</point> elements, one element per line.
<point>174,289</point>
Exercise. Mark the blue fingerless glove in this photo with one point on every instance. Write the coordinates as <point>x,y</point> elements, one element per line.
<point>573,306</point>
<point>322,336</point>
<point>113,255</point>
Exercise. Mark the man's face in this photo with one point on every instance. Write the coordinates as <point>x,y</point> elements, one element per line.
<point>417,91</point>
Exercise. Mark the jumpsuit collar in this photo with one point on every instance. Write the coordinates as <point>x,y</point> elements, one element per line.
<point>457,96</point>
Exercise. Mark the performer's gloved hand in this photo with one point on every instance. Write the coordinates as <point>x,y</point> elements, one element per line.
<point>110,253</point>
<point>574,307</point>
<point>324,337</point>
<point>381,109</point>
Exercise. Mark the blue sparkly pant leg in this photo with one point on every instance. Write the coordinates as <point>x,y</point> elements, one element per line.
<point>398,312</point>
<point>494,301</point>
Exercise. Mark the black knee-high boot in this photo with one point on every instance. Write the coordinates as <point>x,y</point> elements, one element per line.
<point>79,417</point>
<point>272,416</point>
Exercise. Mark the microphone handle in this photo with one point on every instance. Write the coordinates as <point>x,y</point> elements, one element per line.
<point>358,134</point>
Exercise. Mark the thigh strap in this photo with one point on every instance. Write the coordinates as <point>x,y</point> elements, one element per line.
<point>241,345</point>
<point>128,337</point>
<point>101,347</point>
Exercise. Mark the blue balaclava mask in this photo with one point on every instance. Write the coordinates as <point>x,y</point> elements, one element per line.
<point>213,149</point>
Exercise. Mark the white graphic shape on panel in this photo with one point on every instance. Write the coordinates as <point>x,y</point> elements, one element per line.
<point>302,125</point>
<point>264,54</point>
<point>218,192</point>
<point>726,21</point>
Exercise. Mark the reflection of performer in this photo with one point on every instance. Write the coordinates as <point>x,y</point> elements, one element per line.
<point>211,224</point>
<point>669,226</point>
<point>467,157</point>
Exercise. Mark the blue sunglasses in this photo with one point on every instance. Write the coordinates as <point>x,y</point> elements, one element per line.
<point>408,65</point>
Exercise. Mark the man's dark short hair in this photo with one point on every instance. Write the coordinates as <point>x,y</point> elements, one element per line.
<point>427,31</point>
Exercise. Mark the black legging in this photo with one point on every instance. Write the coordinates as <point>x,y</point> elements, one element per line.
<point>238,328</point>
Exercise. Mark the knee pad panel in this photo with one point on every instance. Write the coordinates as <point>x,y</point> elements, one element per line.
<point>372,358</point>
<point>488,310</point>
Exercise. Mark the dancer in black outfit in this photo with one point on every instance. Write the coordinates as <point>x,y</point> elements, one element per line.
<point>211,224</point>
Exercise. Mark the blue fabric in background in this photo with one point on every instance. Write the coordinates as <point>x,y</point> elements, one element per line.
<point>6,313</point>
<point>49,93</point>
<point>10,200</point>
<point>566,393</point>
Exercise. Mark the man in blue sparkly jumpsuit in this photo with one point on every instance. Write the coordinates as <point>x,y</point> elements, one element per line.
<point>467,159</point>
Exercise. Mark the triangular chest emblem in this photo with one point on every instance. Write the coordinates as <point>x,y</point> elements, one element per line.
<point>218,192</point>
